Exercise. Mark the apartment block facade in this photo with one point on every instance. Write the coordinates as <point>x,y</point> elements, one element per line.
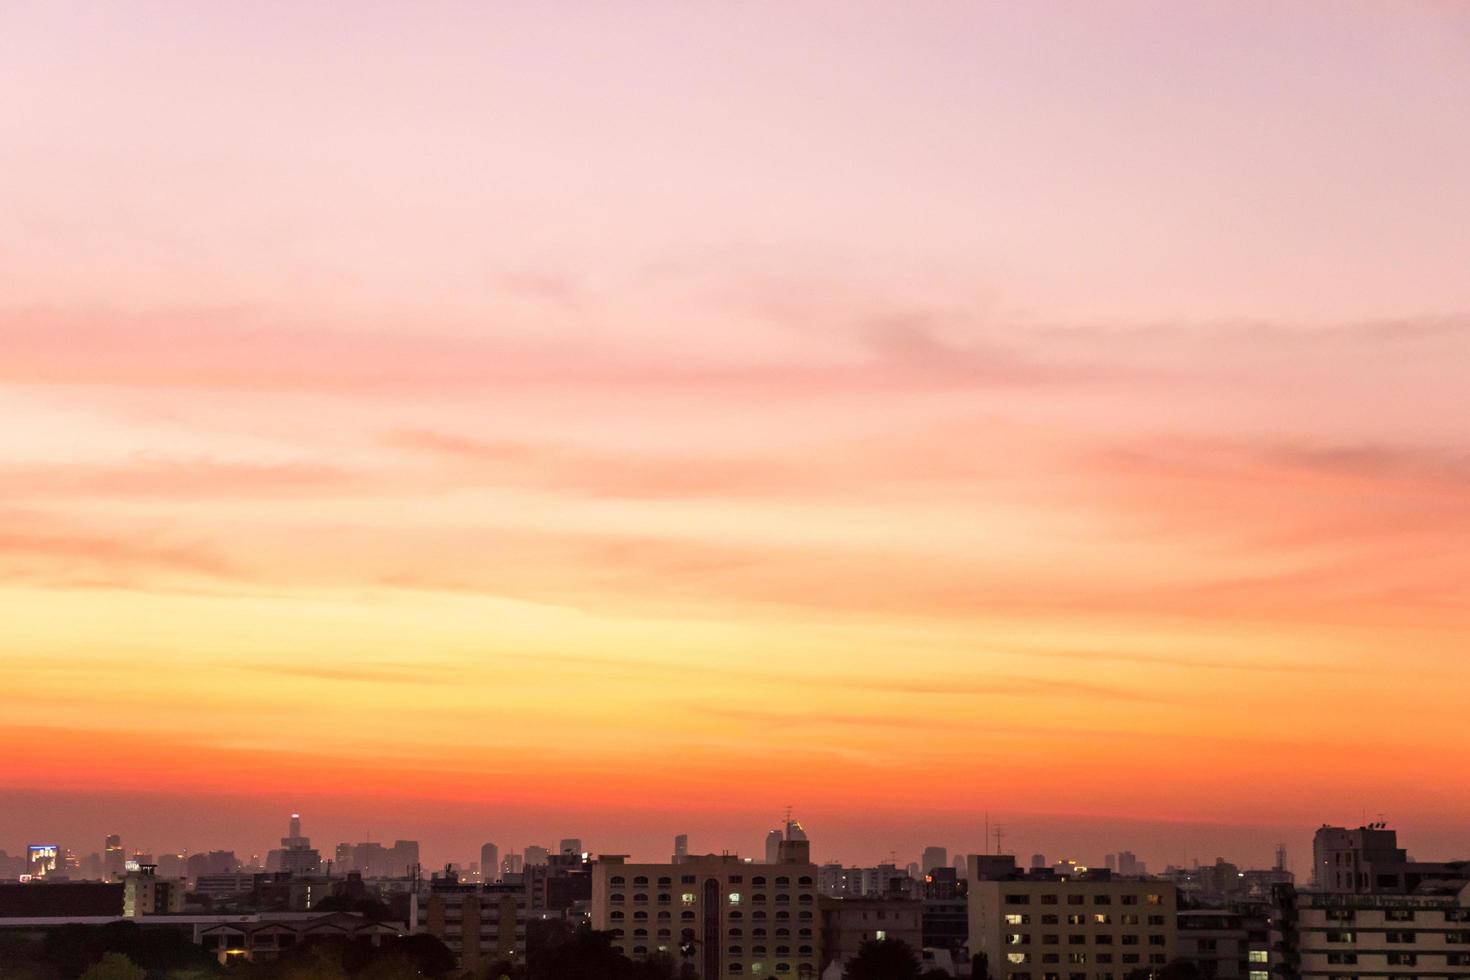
<point>1090,927</point>
<point>724,916</point>
<point>1346,936</point>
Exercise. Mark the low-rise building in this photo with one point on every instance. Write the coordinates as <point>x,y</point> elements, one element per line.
<point>1227,943</point>
<point>847,923</point>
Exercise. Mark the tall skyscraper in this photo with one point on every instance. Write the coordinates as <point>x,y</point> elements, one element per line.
<point>113,857</point>
<point>681,847</point>
<point>489,862</point>
<point>536,855</point>
<point>934,857</point>
<point>773,846</point>
<point>570,845</point>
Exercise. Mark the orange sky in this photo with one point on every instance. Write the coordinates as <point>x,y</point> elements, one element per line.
<point>493,415</point>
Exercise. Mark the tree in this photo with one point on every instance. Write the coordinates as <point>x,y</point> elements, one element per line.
<point>883,959</point>
<point>115,966</point>
<point>585,955</point>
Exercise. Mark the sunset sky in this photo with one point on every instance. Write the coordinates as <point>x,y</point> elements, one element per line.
<point>507,421</point>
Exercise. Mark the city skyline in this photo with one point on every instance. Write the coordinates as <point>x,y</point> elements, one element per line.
<point>514,416</point>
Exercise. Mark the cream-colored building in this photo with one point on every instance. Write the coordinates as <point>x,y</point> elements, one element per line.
<point>724,916</point>
<point>1344,936</point>
<point>1086,927</point>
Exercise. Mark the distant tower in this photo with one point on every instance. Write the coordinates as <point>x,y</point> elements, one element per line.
<point>295,826</point>
<point>681,848</point>
<point>773,846</point>
<point>1110,861</point>
<point>1280,857</point>
<point>570,845</point>
<point>489,862</point>
<point>934,857</point>
<point>1038,861</point>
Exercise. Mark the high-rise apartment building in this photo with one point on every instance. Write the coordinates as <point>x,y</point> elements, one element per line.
<point>1350,935</point>
<point>723,916</point>
<point>489,862</point>
<point>479,923</point>
<point>934,857</point>
<point>1087,927</point>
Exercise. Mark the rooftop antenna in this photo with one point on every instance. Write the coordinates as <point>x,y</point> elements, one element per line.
<point>1000,833</point>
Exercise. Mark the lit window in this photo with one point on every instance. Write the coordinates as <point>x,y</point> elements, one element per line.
<point>688,898</point>
<point>1260,956</point>
<point>880,935</point>
<point>734,898</point>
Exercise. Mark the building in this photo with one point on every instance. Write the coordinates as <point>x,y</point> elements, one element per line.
<point>144,893</point>
<point>264,937</point>
<point>1348,935</point>
<point>42,860</point>
<point>295,855</point>
<point>571,846</point>
<point>223,887</point>
<point>480,923</point>
<point>847,923</point>
<point>1088,927</point>
<point>113,857</point>
<point>681,847</point>
<point>60,900</point>
<point>723,916</point>
<point>934,857</point>
<point>773,846</point>
<point>1368,860</point>
<point>946,911</point>
<point>535,855</point>
<point>489,862</point>
<point>1226,943</point>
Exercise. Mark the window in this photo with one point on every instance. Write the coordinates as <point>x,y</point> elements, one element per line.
<point>1403,959</point>
<point>1105,940</point>
<point>617,880</point>
<point>1076,899</point>
<point>1102,919</point>
<point>687,898</point>
<point>1102,900</point>
<point>880,935</point>
<point>1399,937</point>
<point>1050,920</point>
<point>1342,959</point>
<point>1018,958</point>
<point>1259,956</point>
<point>1048,900</point>
<point>1076,957</point>
<point>1130,899</point>
<point>640,880</point>
<point>1077,939</point>
<point>734,898</point>
<point>1398,915</point>
<point>1075,920</point>
<point>1156,920</point>
<point>735,879</point>
<point>1156,940</point>
<point>1155,899</point>
<point>1018,939</point>
<point>1338,936</point>
<point>1018,899</point>
<point>1017,920</point>
<point>1129,919</point>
